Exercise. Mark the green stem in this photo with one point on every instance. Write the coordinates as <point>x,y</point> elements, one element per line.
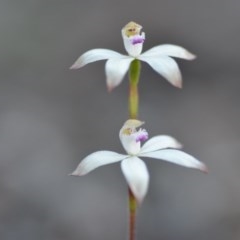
<point>134,73</point>
<point>132,214</point>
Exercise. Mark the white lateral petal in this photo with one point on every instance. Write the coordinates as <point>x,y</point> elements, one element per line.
<point>177,157</point>
<point>95,55</point>
<point>167,67</point>
<point>160,142</point>
<point>116,69</point>
<point>97,159</point>
<point>170,50</point>
<point>137,176</point>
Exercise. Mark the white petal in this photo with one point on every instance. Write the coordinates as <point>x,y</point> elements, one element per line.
<point>177,157</point>
<point>95,55</point>
<point>95,160</point>
<point>116,69</point>
<point>165,66</point>
<point>136,174</point>
<point>160,142</point>
<point>170,50</point>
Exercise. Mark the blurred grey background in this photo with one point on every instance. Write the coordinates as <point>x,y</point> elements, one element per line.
<point>51,117</point>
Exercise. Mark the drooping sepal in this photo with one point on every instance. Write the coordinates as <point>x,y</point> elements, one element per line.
<point>137,176</point>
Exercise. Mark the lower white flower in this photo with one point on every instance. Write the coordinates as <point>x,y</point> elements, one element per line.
<point>133,168</point>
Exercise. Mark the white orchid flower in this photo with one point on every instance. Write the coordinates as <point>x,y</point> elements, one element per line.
<point>159,58</point>
<point>133,168</point>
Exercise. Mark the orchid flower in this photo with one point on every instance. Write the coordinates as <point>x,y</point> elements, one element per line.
<point>159,58</point>
<point>133,168</point>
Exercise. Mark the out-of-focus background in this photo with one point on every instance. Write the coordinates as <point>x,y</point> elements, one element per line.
<point>51,117</point>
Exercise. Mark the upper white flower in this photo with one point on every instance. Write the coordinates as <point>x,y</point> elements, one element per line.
<point>157,57</point>
<point>133,168</point>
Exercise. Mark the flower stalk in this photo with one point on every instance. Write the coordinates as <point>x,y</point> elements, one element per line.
<point>134,74</point>
<point>132,214</point>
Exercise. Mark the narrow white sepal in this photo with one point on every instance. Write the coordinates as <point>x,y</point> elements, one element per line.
<point>160,142</point>
<point>169,50</point>
<point>165,66</point>
<point>116,69</point>
<point>177,157</point>
<point>97,159</point>
<point>137,176</point>
<point>95,55</point>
